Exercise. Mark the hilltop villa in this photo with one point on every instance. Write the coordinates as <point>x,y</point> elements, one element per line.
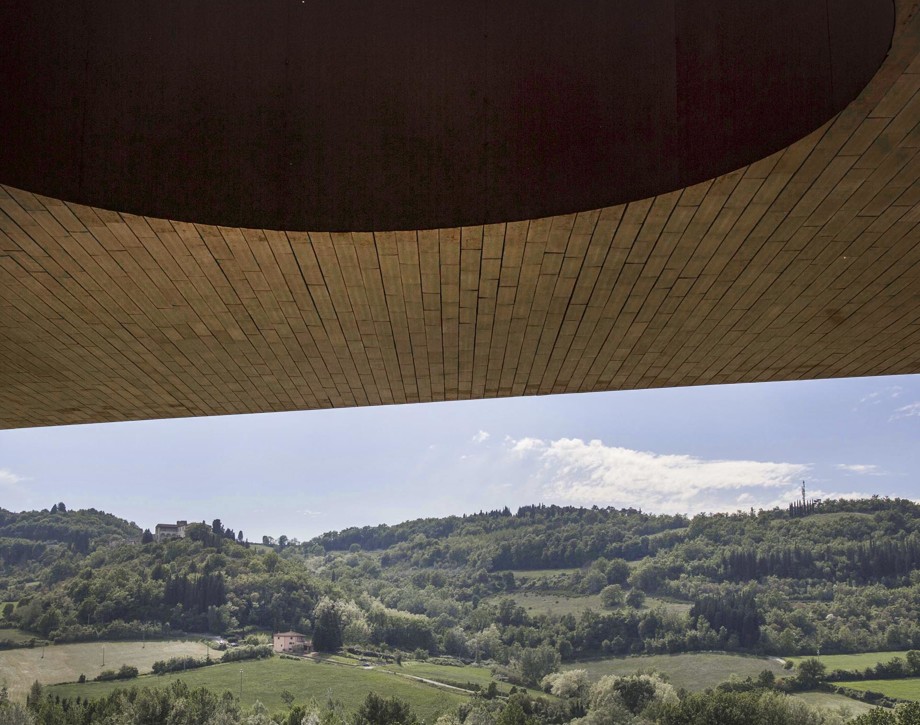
<point>170,531</point>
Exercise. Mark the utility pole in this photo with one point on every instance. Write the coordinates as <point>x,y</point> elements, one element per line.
<point>803,493</point>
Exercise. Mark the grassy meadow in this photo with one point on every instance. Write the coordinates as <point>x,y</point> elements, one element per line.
<point>907,689</point>
<point>17,635</point>
<point>264,680</point>
<point>451,675</point>
<point>829,701</point>
<point>19,668</point>
<point>856,662</point>
<point>559,604</point>
<point>694,672</point>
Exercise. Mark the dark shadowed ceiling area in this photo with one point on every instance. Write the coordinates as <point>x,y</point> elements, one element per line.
<point>372,115</point>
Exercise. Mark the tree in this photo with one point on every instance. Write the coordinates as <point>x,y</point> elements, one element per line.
<point>327,630</point>
<point>62,508</point>
<point>377,711</point>
<point>617,571</point>
<point>593,582</point>
<point>217,527</point>
<point>282,541</point>
<point>612,596</point>
<point>271,561</point>
<point>811,672</point>
<point>147,537</point>
<point>878,716</point>
<point>536,663</point>
<point>54,509</point>
<point>12,713</point>
<point>239,536</point>
<point>36,692</point>
<point>512,714</point>
<point>570,684</point>
<point>635,598</point>
<point>908,713</point>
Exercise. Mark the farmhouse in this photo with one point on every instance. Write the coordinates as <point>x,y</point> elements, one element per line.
<point>292,642</point>
<point>170,531</point>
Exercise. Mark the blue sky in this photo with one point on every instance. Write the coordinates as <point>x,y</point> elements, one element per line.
<point>299,474</point>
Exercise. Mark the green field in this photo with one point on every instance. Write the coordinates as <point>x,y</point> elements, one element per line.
<point>837,703</point>
<point>908,689</point>
<point>481,676</point>
<point>19,668</point>
<point>560,604</point>
<point>695,672</point>
<point>856,662</point>
<point>669,605</point>
<point>17,635</point>
<point>265,679</point>
<point>522,575</point>
<point>473,674</point>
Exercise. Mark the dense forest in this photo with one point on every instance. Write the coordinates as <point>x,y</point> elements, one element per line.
<point>830,577</point>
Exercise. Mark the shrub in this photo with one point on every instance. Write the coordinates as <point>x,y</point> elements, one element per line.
<point>247,653</point>
<point>125,672</point>
<point>178,664</point>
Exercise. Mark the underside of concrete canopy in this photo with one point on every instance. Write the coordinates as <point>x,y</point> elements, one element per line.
<point>232,207</point>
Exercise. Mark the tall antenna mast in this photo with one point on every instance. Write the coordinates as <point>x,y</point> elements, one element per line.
<point>803,493</point>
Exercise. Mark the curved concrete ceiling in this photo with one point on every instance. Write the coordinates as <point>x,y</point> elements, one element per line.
<point>805,264</point>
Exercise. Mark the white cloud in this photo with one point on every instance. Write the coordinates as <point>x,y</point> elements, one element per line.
<point>481,437</point>
<point>10,479</point>
<point>861,469</point>
<point>308,512</point>
<point>525,445</point>
<point>586,473</point>
<point>907,411</point>
<point>878,396</point>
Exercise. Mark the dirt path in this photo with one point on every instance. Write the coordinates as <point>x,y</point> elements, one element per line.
<point>442,685</point>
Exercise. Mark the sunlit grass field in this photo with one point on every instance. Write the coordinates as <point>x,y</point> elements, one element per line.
<point>829,701</point>
<point>19,668</point>
<point>694,672</point>
<point>908,689</point>
<point>472,674</point>
<point>552,603</point>
<point>17,635</point>
<point>264,680</point>
<point>852,662</point>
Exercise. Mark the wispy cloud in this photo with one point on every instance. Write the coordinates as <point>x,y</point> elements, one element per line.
<point>526,445</point>
<point>308,512</point>
<point>889,393</point>
<point>481,437</point>
<point>8,479</point>
<point>580,472</point>
<point>861,469</point>
<point>892,392</point>
<point>906,411</point>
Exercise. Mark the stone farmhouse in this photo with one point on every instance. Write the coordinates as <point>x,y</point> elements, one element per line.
<point>291,643</point>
